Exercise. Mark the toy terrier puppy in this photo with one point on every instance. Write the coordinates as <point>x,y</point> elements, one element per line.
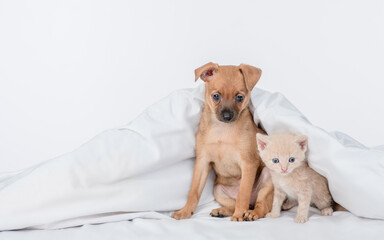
<point>226,142</point>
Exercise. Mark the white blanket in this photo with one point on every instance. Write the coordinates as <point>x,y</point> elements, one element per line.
<point>146,167</point>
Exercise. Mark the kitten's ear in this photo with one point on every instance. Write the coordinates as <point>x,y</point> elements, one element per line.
<point>262,141</point>
<point>303,142</point>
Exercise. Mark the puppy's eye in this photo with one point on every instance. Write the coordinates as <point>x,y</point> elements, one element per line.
<point>239,98</point>
<point>275,160</point>
<point>291,160</point>
<point>216,97</point>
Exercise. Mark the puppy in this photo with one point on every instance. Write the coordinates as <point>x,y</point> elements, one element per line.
<point>226,142</point>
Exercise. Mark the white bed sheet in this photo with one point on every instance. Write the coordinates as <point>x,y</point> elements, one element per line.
<point>342,225</point>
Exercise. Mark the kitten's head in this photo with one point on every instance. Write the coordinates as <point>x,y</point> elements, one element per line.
<point>282,152</point>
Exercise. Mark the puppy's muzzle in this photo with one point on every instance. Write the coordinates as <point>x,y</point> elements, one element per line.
<point>226,116</point>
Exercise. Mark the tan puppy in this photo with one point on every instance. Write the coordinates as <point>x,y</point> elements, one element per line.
<point>226,142</point>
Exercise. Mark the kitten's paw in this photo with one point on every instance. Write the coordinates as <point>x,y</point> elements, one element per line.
<point>221,212</point>
<point>251,215</point>
<point>182,214</point>
<point>272,215</point>
<point>301,219</point>
<point>327,211</point>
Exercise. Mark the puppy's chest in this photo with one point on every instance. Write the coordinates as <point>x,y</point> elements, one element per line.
<point>222,146</point>
<point>222,134</point>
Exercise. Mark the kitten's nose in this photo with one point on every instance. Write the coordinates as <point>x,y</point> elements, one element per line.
<point>284,170</point>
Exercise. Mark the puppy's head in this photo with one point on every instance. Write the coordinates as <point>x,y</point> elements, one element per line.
<point>228,88</point>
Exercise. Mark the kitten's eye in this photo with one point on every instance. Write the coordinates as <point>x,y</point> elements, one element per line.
<point>216,97</point>
<point>275,160</point>
<point>239,98</point>
<point>291,160</point>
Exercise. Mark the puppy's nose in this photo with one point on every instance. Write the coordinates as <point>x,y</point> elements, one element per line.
<point>227,116</point>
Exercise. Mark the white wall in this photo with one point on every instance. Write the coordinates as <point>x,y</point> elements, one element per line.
<point>70,69</point>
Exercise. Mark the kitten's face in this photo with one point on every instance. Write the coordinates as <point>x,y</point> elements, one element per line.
<point>282,153</point>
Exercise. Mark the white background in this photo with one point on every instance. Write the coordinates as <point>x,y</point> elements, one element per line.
<point>71,69</point>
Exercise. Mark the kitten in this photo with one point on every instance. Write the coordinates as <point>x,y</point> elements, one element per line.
<point>293,179</point>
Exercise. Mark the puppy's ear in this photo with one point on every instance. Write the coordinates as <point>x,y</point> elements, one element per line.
<point>206,72</point>
<point>251,75</point>
<point>262,141</point>
<point>303,142</point>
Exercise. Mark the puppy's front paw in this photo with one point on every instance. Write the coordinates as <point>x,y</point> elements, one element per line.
<point>182,214</point>
<point>251,215</point>
<point>301,219</point>
<point>272,215</point>
<point>237,217</point>
<point>221,212</point>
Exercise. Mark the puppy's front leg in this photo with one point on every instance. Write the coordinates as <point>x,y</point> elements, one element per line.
<point>200,175</point>
<point>263,202</point>
<point>248,175</point>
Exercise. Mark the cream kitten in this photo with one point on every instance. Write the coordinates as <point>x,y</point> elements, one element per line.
<point>293,179</point>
